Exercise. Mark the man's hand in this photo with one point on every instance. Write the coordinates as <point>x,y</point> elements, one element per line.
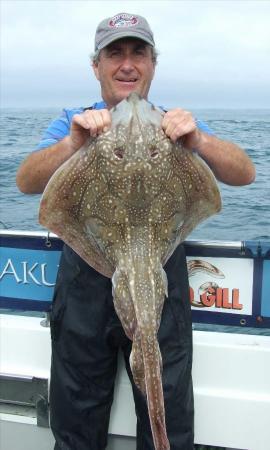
<point>36,170</point>
<point>229,162</point>
<point>89,123</point>
<point>178,123</point>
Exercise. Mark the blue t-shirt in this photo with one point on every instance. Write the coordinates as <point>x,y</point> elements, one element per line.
<point>60,127</point>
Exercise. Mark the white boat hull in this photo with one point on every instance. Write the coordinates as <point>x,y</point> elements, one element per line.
<point>231,387</point>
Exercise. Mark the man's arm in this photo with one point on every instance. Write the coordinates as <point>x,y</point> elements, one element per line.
<point>36,170</point>
<point>230,163</point>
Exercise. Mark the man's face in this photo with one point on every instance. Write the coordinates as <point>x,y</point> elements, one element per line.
<point>124,66</point>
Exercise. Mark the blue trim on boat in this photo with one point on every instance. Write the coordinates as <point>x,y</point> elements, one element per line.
<point>45,242</point>
<point>29,262</point>
<point>230,319</point>
<point>257,287</point>
<point>258,248</point>
<point>24,304</point>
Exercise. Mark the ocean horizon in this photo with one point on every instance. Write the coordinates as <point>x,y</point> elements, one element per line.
<point>245,213</point>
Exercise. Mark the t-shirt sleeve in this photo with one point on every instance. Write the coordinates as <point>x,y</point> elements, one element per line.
<point>57,130</point>
<point>204,127</point>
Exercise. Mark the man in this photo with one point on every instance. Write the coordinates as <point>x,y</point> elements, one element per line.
<point>86,333</point>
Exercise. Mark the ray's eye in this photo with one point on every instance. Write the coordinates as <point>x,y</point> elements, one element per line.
<point>153,150</point>
<point>119,152</point>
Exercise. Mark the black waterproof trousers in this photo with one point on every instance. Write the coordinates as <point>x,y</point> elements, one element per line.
<point>86,336</point>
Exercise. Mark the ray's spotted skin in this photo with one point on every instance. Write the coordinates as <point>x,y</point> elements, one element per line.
<point>124,202</point>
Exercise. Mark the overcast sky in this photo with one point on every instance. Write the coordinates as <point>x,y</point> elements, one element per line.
<point>212,53</point>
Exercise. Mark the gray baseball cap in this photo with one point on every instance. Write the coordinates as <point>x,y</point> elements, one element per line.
<point>121,26</point>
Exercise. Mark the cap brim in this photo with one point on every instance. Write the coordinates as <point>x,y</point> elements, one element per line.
<point>122,35</point>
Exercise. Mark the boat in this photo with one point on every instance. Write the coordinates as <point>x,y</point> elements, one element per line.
<point>230,298</point>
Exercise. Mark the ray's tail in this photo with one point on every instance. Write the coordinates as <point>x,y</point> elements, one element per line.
<point>154,390</point>
<point>147,289</point>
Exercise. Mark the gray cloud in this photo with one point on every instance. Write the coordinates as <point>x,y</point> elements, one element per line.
<point>212,53</point>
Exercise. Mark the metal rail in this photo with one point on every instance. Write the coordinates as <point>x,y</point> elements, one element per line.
<point>237,245</point>
<point>25,392</point>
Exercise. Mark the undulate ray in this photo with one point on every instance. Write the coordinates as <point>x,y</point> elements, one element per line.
<point>124,202</point>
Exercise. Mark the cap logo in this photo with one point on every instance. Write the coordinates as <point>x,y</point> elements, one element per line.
<point>123,21</point>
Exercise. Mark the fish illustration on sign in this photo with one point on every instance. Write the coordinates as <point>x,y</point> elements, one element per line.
<point>124,202</point>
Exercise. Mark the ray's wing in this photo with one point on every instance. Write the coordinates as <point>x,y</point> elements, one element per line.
<point>194,187</point>
<point>67,199</point>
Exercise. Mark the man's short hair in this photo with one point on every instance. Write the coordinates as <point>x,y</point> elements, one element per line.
<point>95,56</point>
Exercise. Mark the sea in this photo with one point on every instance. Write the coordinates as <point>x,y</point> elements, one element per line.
<point>245,213</point>
<point>246,210</point>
